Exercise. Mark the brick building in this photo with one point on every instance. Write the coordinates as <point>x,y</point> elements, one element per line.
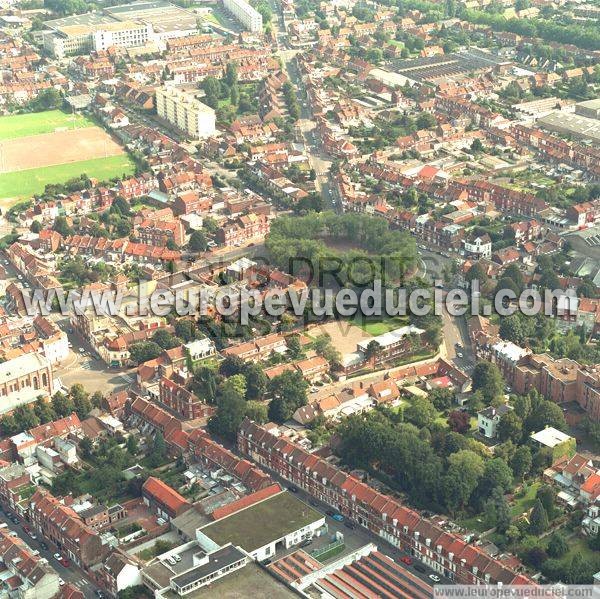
<point>384,516</point>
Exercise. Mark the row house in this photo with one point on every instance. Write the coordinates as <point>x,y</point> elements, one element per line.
<point>384,516</point>
<point>15,483</point>
<point>214,456</point>
<point>118,250</point>
<point>136,187</point>
<point>184,403</point>
<point>160,232</point>
<point>60,524</point>
<point>260,348</point>
<point>242,229</point>
<point>26,574</point>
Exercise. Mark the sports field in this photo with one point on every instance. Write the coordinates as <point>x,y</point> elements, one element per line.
<point>25,183</point>
<point>53,147</point>
<point>36,123</point>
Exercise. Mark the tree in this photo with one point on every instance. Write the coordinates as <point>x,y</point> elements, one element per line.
<point>9,425</point>
<point>546,413</point>
<point>231,410</point>
<point>521,462</point>
<point>487,378</point>
<point>35,227</point>
<point>165,340</point>
<point>511,329</point>
<point>557,545</point>
<point>420,412</point>
<point>538,521</point>
<point>198,242</point>
<point>62,405</point>
<point>496,475</point>
<point>62,226</point>
<point>43,410</point>
<point>256,381</point>
<point>231,365</point>
<point>547,496</point>
<point>294,347</point>
<point>236,383</point>
<point>522,406</point>
<point>143,351</point>
<point>25,417</point>
<point>289,394</point>
<point>478,273</point>
<point>465,468</point>
<point>442,399</point>
<point>426,120</point>
<point>132,445</point>
<point>85,447</point>
<point>497,511</point>
<point>158,452</point>
<point>510,427</point>
<point>459,421</point>
<point>257,411</point>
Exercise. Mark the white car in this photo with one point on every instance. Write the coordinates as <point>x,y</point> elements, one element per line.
<point>434,577</point>
<point>57,556</point>
<point>460,355</point>
<point>61,582</point>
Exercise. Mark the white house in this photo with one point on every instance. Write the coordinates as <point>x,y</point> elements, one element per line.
<point>200,349</point>
<point>489,418</point>
<point>480,247</point>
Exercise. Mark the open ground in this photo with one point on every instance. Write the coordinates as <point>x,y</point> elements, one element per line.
<point>344,334</point>
<point>60,147</point>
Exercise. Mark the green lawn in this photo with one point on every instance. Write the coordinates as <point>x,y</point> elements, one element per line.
<point>378,326</point>
<point>36,123</point>
<point>525,503</point>
<point>31,181</point>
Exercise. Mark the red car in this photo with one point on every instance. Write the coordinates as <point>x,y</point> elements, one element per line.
<point>65,562</point>
<point>406,560</point>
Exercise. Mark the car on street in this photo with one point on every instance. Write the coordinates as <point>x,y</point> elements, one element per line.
<point>420,567</point>
<point>338,517</point>
<point>57,556</point>
<point>65,562</point>
<point>292,489</point>
<point>406,560</point>
<point>61,582</point>
<point>349,524</point>
<point>434,577</point>
<point>460,355</point>
<point>44,546</point>
<point>330,513</point>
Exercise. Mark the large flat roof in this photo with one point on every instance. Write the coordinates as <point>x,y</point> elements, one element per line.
<point>263,523</point>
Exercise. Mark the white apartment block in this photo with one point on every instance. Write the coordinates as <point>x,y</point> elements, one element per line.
<point>185,111</point>
<point>250,18</point>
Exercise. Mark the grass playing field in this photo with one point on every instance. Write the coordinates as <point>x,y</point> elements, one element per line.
<point>28,182</point>
<point>35,123</point>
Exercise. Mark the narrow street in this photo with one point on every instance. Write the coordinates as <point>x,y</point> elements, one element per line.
<point>72,574</point>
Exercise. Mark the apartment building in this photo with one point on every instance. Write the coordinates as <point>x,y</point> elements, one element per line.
<point>184,403</point>
<point>182,109</point>
<point>159,232</point>
<point>241,10</point>
<point>242,229</point>
<point>54,520</point>
<point>384,516</point>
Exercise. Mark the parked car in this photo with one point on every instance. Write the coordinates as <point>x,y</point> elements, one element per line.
<point>292,489</point>
<point>330,513</point>
<point>306,543</point>
<point>338,517</point>
<point>420,567</point>
<point>65,562</point>
<point>349,524</point>
<point>406,560</point>
<point>44,546</point>
<point>57,556</point>
<point>434,577</point>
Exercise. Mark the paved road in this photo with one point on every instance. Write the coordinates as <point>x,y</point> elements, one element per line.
<point>71,574</point>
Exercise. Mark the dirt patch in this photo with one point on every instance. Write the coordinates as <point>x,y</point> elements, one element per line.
<point>344,335</point>
<point>55,148</point>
